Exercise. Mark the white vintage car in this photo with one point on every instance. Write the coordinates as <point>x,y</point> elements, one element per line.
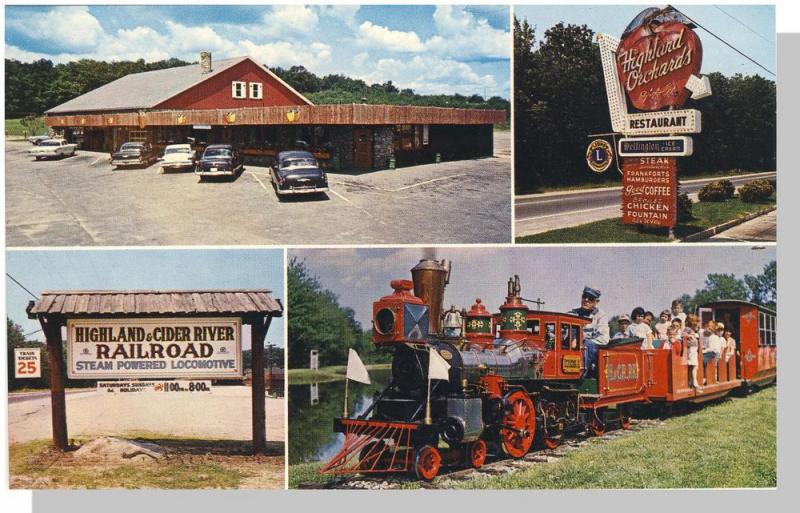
<point>177,156</point>
<point>52,148</point>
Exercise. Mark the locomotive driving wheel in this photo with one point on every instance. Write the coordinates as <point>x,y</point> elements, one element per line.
<point>427,463</point>
<point>624,418</point>
<point>597,426</point>
<point>519,424</point>
<point>476,453</point>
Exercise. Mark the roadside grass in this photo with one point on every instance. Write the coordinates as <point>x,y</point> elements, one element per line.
<point>326,374</point>
<point>705,215</point>
<point>189,464</point>
<point>615,180</point>
<point>729,444</point>
<point>14,128</point>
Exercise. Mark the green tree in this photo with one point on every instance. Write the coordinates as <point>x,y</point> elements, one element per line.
<point>763,289</point>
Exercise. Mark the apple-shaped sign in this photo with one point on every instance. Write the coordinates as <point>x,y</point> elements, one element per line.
<point>655,61</point>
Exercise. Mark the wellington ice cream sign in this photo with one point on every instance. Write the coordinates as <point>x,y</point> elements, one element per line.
<point>650,73</point>
<point>154,348</point>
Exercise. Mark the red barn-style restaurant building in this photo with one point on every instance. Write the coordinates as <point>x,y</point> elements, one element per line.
<point>240,102</point>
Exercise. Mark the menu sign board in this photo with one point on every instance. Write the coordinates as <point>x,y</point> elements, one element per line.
<point>649,191</point>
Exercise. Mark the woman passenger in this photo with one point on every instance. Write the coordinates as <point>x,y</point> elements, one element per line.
<point>640,329</point>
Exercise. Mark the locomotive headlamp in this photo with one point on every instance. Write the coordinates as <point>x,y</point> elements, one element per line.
<point>385,321</point>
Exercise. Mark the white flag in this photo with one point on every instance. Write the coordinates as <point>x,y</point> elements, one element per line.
<point>437,367</point>
<point>355,368</point>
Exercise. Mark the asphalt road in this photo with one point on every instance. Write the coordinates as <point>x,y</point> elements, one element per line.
<point>82,201</point>
<point>224,413</point>
<point>537,213</point>
<point>18,397</point>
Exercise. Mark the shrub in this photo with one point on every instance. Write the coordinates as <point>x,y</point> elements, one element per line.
<point>756,191</point>
<point>684,208</point>
<point>718,190</point>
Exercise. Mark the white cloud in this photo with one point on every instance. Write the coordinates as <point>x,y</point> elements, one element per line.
<point>432,75</point>
<point>388,39</point>
<point>71,28</point>
<point>286,54</point>
<point>463,36</point>
<point>191,40</point>
<point>343,13</point>
<point>291,19</point>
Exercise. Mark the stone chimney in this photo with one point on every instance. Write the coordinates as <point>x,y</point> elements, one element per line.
<point>205,62</point>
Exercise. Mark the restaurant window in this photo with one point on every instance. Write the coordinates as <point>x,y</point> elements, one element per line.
<point>426,137</point>
<point>238,90</point>
<point>405,137</point>
<point>256,90</point>
<point>137,136</point>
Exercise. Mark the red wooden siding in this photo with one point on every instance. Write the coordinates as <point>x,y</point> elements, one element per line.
<point>215,93</point>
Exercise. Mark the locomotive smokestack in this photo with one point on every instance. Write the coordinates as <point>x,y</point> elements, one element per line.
<point>430,278</point>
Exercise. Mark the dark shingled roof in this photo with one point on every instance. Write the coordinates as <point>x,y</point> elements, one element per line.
<point>153,302</point>
<point>145,90</point>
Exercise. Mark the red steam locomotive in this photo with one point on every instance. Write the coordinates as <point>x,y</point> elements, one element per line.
<point>515,378</point>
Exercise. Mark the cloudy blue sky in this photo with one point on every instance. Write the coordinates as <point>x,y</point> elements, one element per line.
<point>133,269</point>
<point>749,28</point>
<point>444,49</point>
<point>648,276</point>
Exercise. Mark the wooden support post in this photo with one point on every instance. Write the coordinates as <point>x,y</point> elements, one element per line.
<point>58,402</point>
<point>258,331</point>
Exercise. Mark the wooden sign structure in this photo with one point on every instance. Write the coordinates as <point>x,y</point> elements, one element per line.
<point>173,312</point>
<point>655,68</point>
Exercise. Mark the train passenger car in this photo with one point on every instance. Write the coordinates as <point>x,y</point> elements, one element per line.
<point>754,329</point>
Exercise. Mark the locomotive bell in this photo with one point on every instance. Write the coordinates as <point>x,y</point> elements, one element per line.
<point>430,278</point>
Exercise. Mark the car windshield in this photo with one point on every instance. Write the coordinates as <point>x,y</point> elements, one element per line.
<point>51,143</point>
<point>177,150</point>
<point>217,152</point>
<point>131,146</point>
<point>299,162</point>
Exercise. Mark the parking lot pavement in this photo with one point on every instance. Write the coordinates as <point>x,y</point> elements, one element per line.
<point>82,201</point>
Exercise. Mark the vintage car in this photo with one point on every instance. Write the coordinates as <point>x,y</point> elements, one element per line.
<point>52,148</point>
<point>219,160</point>
<point>297,172</point>
<point>37,139</point>
<point>134,154</point>
<point>177,156</point>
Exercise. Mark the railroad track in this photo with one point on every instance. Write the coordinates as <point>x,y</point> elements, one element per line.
<point>492,468</point>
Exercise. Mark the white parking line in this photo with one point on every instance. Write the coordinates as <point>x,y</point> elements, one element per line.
<point>425,182</point>
<point>258,180</point>
<point>330,189</point>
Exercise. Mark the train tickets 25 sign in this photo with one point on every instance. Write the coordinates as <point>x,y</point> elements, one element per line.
<point>27,362</point>
<point>154,348</point>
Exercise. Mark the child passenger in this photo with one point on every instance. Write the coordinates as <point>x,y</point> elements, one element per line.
<point>663,325</point>
<point>640,328</point>
<point>691,342</point>
<point>677,337</point>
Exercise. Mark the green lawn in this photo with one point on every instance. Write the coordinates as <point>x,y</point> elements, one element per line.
<point>727,445</point>
<point>15,128</point>
<point>730,444</point>
<point>706,214</point>
<point>325,374</point>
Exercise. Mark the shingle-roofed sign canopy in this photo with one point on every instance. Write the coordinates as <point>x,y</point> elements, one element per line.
<point>151,302</point>
<point>59,308</point>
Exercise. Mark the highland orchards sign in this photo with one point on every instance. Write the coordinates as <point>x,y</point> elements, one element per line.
<point>655,62</point>
<point>154,348</point>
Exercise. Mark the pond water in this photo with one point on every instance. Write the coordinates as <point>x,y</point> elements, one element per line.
<point>312,409</point>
